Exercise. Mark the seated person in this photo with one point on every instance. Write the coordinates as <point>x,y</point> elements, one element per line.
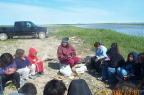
<point>139,74</point>
<point>26,89</point>
<point>66,53</point>
<point>34,60</point>
<point>8,70</point>
<point>129,66</point>
<point>113,45</point>
<point>54,87</point>
<point>126,88</point>
<point>79,87</point>
<point>100,55</point>
<point>24,66</point>
<point>110,67</point>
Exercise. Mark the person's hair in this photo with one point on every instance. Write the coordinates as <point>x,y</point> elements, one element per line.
<point>125,87</point>
<point>28,89</point>
<point>78,87</point>
<point>54,87</point>
<point>19,53</point>
<point>97,44</point>
<point>129,57</point>
<point>6,59</point>
<point>114,45</point>
<point>141,57</point>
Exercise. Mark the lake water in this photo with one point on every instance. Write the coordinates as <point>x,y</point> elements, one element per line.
<point>136,30</point>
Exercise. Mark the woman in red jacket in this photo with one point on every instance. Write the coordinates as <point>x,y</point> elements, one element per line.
<point>34,60</point>
<point>66,53</point>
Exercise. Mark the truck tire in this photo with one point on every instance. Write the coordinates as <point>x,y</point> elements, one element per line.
<point>41,35</point>
<point>3,36</point>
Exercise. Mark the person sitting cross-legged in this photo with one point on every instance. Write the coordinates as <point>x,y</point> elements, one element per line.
<point>66,53</point>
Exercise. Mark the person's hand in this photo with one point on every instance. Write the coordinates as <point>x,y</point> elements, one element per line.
<point>29,67</point>
<point>99,55</point>
<point>125,77</point>
<point>96,60</point>
<point>6,72</point>
<point>38,61</point>
<point>23,58</point>
<point>34,60</point>
<point>69,56</point>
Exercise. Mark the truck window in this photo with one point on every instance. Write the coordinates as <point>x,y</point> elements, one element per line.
<point>28,24</point>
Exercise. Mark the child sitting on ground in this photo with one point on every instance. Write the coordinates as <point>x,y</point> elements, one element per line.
<point>129,66</point>
<point>34,60</point>
<point>8,70</point>
<point>24,66</point>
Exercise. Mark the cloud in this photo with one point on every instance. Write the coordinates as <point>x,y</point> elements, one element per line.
<point>11,12</point>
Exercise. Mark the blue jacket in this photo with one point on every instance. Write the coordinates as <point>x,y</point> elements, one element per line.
<point>102,51</point>
<point>131,66</point>
<point>22,63</point>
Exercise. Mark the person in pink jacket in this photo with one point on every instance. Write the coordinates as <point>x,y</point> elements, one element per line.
<point>34,60</point>
<point>66,53</point>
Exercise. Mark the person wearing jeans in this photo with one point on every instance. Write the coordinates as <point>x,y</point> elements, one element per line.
<point>24,66</point>
<point>110,67</point>
<point>129,66</point>
<point>8,70</point>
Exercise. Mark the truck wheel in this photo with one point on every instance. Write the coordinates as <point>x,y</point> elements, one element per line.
<point>41,35</point>
<point>3,36</point>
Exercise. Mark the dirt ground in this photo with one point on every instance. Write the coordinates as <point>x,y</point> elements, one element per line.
<point>47,48</point>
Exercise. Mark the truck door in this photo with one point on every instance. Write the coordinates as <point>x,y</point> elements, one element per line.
<point>18,28</point>
<point>28,28</point>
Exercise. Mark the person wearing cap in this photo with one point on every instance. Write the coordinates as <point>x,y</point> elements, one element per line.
<point>66,53</point>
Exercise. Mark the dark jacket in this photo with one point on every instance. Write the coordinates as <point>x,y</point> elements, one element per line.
<point>139,74</point>
<point>22,63</point>
<point>79,87</point>
<point>131,66</point>
<point>116,59</point>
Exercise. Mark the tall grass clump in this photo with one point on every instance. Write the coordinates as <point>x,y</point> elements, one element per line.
<point>126,43</point>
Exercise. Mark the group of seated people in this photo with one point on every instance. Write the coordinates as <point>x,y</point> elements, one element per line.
<point>26,67</point>
<point>109,62</point>
<point>113,67</point>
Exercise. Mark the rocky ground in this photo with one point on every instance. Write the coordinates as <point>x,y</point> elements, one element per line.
<point>47,48</point>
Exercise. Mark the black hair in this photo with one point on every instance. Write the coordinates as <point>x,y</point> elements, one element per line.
<point>114,45</point>
<point>6,59</point>
<point>28,89</point>
<point>129,56</point>
<point>97,44</point>
<point>126,87</point>
<point>141,57</point>
<point>54,87</point>
<point>19,53</point>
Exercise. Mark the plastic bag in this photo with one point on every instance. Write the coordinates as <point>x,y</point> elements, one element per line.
<point>66,70</point>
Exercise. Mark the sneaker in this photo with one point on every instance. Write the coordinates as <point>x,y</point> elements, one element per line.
<point>31,77</point>
<point>100,78</point>
<point>42,73</point>
<point>23,80</point>
<point>96,73</point>
<point>93,70</point>
<point>37,74</point>
<point>106,81</point>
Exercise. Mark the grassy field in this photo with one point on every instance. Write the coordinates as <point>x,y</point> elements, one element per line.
<point>126,43</point>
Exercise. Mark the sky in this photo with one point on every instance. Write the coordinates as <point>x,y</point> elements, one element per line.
<point>71,11</point>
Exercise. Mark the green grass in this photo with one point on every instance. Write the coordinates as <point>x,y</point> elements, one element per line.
<point>126,43</point>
